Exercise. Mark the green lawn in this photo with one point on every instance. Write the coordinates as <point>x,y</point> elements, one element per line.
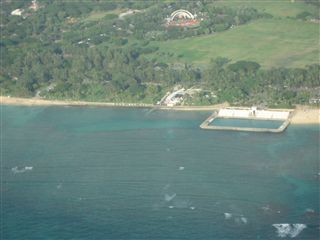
<point>270,42</point>
<point>277,8</point>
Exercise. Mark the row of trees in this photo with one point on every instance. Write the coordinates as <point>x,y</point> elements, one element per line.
<point>124,74</point>
<point>244,82</point>
<point>56,53</point>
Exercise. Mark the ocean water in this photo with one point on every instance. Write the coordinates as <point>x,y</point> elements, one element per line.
<point>103,173</point>
<point>246,123</point>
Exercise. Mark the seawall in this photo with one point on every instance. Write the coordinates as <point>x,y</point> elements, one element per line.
<point>252,114</point>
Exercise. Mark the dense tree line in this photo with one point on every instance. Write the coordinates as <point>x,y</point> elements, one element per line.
<point>55,53</point>
<point>244,82</point>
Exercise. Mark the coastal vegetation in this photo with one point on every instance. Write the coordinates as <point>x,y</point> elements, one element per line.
<point>122,51</point>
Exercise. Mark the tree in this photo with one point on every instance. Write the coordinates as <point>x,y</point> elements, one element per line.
<point>245,66</point>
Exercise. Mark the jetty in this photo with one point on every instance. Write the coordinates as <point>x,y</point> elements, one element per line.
<point>250,114</point>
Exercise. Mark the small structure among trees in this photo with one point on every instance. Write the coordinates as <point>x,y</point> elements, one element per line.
<point>182,18</point>
<point>17,12</point>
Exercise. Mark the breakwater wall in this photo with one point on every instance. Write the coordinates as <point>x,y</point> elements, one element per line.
<point>251,114</point>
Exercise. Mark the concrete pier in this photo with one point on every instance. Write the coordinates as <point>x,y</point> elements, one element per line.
<point>249,114</point>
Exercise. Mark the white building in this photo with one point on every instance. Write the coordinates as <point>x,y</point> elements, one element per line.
<point>17,12</point>
<point>34,5</point>
<point>175,98</point>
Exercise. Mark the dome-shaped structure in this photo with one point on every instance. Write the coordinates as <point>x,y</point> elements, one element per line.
<point>182,18</point>
<point>181,13</point>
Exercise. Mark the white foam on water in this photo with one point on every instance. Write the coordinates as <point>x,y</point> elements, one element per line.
<point>171,206</point>
<point>297,229</point>
<point>227,215</point>
<point>168,197</point>
<point>282,229</point>
<point>289,230</point>
<point>244,220</point>
<point>16,170</point>
<point>309,210</point>
<point>192,208</point>
<point>181,168</point>
<point>266,208</point>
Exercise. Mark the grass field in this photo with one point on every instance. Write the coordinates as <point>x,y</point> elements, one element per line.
<point>277,8</point>
<point>270,42</point>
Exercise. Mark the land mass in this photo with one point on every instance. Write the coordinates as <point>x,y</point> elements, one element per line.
<point>302,114</point>
<point>245,53</point>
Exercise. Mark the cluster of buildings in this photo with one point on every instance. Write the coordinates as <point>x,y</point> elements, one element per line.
<point>174,98</point>
<point>314,100</point>
<point>19,11</point>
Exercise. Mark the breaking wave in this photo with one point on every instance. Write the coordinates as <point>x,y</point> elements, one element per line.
<point>168,197</point>
<point>244,220</point>
<point>227,215</point>
<point>289,230</point>
<point>16,170</point>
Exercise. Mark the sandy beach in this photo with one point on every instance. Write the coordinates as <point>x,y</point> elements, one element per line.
<point>44,102</point>
<point>306,115</point>
<point>301,115</point>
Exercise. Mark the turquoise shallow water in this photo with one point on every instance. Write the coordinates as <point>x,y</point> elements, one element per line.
<point>246,123</point>
<point>95,173</point>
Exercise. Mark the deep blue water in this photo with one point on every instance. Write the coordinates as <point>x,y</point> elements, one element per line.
<point>99,173</point>
<point>246,123</point>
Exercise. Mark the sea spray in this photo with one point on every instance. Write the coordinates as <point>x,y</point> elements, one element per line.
<point>289,230</point>
<point>16,170</point>
<point>168,197</point>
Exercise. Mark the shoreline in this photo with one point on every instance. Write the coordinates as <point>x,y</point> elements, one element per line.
<point>306,115</point>
<point>303,115</point>
<point>44,102</point>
